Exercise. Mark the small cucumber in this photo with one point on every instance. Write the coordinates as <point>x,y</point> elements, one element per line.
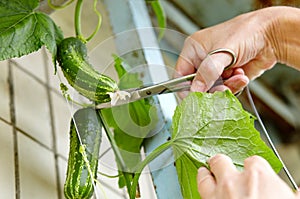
<point>73,60</point>
<point>82,163</point>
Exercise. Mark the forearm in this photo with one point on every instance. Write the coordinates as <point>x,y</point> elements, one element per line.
<point>284,34</point>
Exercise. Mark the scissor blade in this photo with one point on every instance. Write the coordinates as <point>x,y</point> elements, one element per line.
<point>173,85</point>
<point>131,97</point>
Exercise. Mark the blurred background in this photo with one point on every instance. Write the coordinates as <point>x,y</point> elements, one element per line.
<point>35,117</point>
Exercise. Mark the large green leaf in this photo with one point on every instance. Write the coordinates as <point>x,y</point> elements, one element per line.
<point>23,30</point>
<point>206,124</point>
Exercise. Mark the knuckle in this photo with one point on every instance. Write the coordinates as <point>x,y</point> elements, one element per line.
<point>254,161</point>
<point>254,158</point>
<point>256,165</point>
<point>254,172</point>
<point>228,185</point>
<point>190,40</point>
<point>217,159</point>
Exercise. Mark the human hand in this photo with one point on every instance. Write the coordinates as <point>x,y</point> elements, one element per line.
<point>257,181</point>
<point>247,35</point>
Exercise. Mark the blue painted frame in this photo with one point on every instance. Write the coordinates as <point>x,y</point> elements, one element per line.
<point>132,15</point>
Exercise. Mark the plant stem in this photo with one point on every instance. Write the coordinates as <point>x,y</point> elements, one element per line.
<point>161,17</point>
<point>99,21</point>
<point>108,176</point>
<point>56,7</point>
<point>77,19</point>
<point>156,152</point>
<point>118,155</point>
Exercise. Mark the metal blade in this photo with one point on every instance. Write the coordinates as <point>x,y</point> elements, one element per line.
<point>133,96</point>
<point>173,85</point>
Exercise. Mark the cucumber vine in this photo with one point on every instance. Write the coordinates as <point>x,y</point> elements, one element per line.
<point>77,20</point>
<point>56,7</point>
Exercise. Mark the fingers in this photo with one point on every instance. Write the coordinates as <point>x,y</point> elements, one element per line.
<point>206,182</point>
<point>261,178</point>
<point>255,171</point>
<point>258,180</point>
<point>222,167</point>
<point>256,67</point>
<point>183,67</point>
<point>190,57</point>
<point>236,83</point>
<point>194,58</point>
<point>257,163</point>
<point>210,70</point>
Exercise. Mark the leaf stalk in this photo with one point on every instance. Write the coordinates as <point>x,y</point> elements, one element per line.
<point>156,152</point>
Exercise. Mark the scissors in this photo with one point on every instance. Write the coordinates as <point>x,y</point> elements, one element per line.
<point>135,94</point>
<point>169,86</point>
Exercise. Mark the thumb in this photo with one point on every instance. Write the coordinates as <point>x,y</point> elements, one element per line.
<point>210,70</point>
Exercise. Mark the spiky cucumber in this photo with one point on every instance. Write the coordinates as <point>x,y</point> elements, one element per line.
<point>85,139</point>
<point>73,60</point>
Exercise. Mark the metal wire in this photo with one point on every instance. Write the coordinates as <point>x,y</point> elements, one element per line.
<point>294,184</point>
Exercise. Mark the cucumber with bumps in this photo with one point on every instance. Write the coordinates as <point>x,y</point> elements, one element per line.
<point>73,60</point>
<point>85,139</point>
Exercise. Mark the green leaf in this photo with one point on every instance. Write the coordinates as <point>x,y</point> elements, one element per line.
<point>187,171</point>
<point>132,122</point>
<point>126,80</point>
<point>206,124</point>
<point>23,31</point>
<point>119,66</point>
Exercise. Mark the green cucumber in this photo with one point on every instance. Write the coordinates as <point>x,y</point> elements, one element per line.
<point>79,183</point>
<point>80,74</point>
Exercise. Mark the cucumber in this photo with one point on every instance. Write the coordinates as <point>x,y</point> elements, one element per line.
<point>80,74</point>
<point>81,163</point>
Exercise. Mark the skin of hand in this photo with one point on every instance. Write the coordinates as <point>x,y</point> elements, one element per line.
<point>256,181</point>
<point>259,39</point>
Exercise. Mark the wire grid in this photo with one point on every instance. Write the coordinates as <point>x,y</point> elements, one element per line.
<point>45,175</point>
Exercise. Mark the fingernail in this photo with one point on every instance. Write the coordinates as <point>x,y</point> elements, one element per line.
<point>198,86</point>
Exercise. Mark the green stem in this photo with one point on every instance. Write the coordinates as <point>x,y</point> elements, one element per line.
<point>56,7</point>
<point>118,155</point>
<point>99,21</point>
<point>77,19</point>
<point>161,17</point>
<point>156,152</point>
<point>109,176</point>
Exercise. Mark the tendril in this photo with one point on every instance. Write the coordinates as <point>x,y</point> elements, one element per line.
<point>56,7</point>
<point>99,21</point>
